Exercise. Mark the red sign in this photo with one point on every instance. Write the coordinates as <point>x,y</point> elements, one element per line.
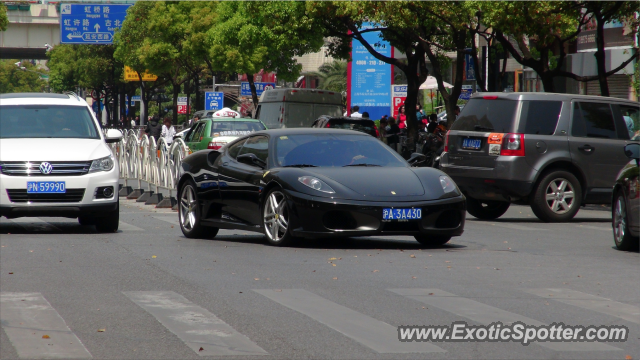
<point>182,109</point>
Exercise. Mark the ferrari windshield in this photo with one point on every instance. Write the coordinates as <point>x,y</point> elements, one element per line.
<point>334,150</point>
<point>47,121</point>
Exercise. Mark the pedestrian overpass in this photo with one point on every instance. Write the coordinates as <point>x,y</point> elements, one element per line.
<point>29,31</point>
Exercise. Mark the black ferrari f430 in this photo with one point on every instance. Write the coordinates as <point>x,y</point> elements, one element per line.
<point>316,183</point>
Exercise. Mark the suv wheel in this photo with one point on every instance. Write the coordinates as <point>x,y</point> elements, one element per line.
<point>557,197</point>
<point>486,209</point>
<point>621,235</point>
<point>109,223</point>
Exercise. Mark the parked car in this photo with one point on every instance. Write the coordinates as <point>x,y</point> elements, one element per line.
<point>224,126</point>
<point>442,116</point>
<point>314,183</point>
<point>289,108</point>
<point>554,152</point>
<point>366,126</point>
<point>625,209</point>
<point>54,160</point>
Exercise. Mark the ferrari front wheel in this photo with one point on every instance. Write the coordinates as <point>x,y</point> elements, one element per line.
<point>275,219</point>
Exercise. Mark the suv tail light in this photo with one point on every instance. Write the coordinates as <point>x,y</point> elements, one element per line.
<point>446,142</point>
<point>216,145</point>
<point>377,132</point>
<point>512,145</point>
<point>328,125</point>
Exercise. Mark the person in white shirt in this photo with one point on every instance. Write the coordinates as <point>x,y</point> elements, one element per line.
<point>168,131</point>
<point>356,112</point>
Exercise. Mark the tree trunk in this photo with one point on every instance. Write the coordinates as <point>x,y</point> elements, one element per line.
<point>123,105</point>
<point>476,64</point>
<point>600,56</point>
<point>144,110</point>
<point>254,94</point>
<point>196,82</point>
<point>547,82</point>
<point>176,93</point>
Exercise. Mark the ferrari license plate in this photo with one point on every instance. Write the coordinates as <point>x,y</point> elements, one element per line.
<point>471,144</point>
<point>401,214</point>
<point>46,187</point>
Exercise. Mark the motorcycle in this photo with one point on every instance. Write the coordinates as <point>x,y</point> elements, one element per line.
<point>431,145</point>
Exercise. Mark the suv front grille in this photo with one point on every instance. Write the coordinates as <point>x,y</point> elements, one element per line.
<point>21,195</point>
<point>67,168</point>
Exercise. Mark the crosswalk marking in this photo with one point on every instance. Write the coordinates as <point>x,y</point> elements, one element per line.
<point>195,326</point>
<point>366,330</point>
<point>34,223</point>
<point>591,302</point>
<point>27,317</point>
<point>486,315</point>
<point>170,219</point>
<point>128,227</point>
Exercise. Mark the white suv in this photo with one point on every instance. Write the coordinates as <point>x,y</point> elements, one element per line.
<point>54,160</point>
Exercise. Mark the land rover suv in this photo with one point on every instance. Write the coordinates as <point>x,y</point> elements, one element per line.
<point>554,152</point>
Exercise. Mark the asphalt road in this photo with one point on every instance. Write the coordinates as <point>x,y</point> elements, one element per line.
<point>147,292</point>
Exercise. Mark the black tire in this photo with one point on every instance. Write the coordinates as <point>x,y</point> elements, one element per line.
<point>486,209</point>
<point>280,216</point>
<point>189,215</point>
<point>432,240</point>
<point>542,204</point>
<point>86,221</point>
<point>620,223</point>
<point>109,223</point>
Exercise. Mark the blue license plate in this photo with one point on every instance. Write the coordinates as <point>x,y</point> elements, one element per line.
<point>46,187</point>
<point>401,214</point>
<point>471,144</point>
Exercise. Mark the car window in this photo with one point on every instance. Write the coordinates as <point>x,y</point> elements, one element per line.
<point>631,117</point>
<point>257,145</point>
<point>47,121</point>
<point>198,134</point>
<point>539,117</point>
<point>591,119</point>
<point>194,133</point>
<point>494,115</point>
<point>235,149</point>
<point>234,128</point>
<point>358,125</point>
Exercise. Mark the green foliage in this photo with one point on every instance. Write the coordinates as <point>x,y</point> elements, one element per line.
<point>88,66</point>
<point>62,68</point>
<point>4,20</point>
<point>333,76</point>
<point>635,79</point>
<point>13,79</point>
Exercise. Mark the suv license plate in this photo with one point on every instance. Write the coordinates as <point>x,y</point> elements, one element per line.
<point>401,214</point>
<point>471,144</point>
<point>46,187</point>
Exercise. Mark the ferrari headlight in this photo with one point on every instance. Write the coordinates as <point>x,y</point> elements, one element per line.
<point>447,184</point>
<point>103,164</point>
<point>316,184</point>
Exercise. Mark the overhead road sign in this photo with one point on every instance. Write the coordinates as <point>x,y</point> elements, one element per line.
<point>245,88</point>
<point>90,23</point>
<point>132,75</point>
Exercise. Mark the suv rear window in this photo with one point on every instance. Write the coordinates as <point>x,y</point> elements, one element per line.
<point>47,121</point>
<point>487,115</point>
<point>539,117</point>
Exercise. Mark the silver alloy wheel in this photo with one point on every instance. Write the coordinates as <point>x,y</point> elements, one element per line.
<point>560,196</point>
<point>188,208</point>
<point>619,222</point>
<point>276,216</point>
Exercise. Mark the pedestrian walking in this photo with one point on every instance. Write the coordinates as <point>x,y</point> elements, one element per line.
<point>402,117</point>
<point>168,131</point>
<point>154,128</point>
<point>365,115</point>
<point>383,129</point>
<point>392,132</point>
<point>355,112</point>
<point>133,123</point>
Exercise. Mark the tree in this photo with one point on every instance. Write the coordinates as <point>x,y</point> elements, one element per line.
<point>13,79</point>
<point>63,75</point>
<point>333,76</point>
<point>250,36</point>
<point>4,19</point>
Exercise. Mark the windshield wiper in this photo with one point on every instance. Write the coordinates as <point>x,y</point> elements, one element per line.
<point>480,127</point>
<point>300,165</point>
<point>362,165</point>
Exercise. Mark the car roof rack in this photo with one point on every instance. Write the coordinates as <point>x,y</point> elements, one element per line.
<point>71,93</point>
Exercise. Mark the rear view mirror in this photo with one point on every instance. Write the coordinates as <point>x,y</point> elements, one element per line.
<point>251,159</point>
<point>416,158</point>
<point>632,151</point>
<point>113,136</point>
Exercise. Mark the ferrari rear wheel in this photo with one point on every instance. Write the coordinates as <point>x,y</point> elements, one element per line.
<point>432,240</point>
<point>275,219</point>
<point>189,213</point>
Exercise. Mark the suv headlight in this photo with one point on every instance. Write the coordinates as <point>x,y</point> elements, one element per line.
<point>447,184</point>
<point>316,184</point>
<point>103,164</point>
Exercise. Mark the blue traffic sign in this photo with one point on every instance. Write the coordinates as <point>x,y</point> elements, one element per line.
<point>90,23</point>
<point>245,89</point>
<point>213,100</point>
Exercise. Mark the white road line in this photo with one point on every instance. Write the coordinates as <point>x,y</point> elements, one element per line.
<point>170,219</point>
<point>486,315</point>
<point>27,317</point>
<point>594,227</point>
<point>195,326</point>
<point>366,330</point>
<point>590,302</point>
<point>34,223</point>
<point>128,227</point>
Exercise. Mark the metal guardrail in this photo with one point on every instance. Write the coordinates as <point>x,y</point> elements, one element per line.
<point>143,159</point>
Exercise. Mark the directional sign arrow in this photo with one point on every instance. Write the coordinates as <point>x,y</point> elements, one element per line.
<point>69,36</point>
<point>97,27</point>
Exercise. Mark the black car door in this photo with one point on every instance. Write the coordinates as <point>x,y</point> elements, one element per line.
<point>241,196</point>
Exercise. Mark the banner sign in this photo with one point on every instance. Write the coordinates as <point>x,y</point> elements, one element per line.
<point>468,68</point>
<point>398,97</point>
<point>182,105</point>
<point>466,91</point>
<point>132,75</point>
<point>245,89</point>
<point>90,23</point>
<point>213,100</point>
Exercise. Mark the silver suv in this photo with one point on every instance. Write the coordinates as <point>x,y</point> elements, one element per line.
<point>554,152</point>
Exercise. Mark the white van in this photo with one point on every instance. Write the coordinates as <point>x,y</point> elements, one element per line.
<point>291,108</point>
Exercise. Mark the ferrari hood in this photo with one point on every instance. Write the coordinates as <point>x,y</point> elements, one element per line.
<point>375,182</point>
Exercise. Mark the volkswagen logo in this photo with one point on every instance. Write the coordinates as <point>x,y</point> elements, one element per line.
<point>45,168</point>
